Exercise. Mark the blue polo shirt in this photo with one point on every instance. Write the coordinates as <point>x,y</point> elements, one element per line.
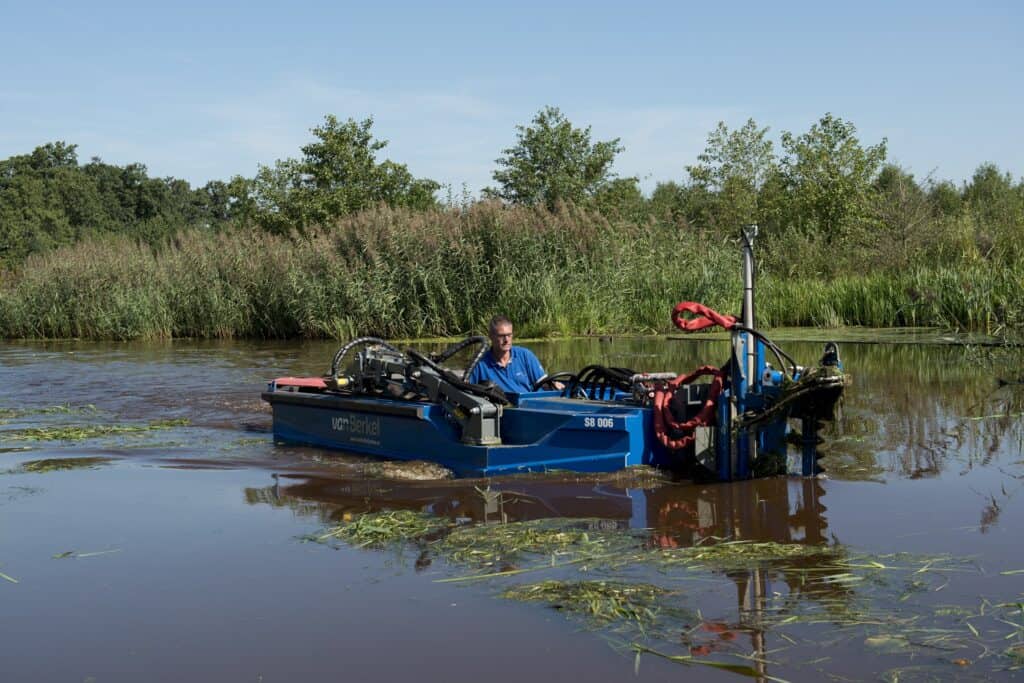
<point>522,371</point>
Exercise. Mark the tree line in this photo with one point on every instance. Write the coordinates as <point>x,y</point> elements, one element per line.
<point>825,201</point>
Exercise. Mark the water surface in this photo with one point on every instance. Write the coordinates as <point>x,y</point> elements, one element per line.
<point>178,552</point>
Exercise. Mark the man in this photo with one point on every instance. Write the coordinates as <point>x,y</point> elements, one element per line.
<point>512,368</point>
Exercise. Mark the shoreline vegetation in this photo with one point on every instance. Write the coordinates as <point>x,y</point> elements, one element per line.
<point>401,273</point>
<point>337,245</point>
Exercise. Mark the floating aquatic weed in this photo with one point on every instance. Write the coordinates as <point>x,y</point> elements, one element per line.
<point>384,528</point>
<point>252,441</point>
<point>65,408</point>
<point>854,597</point>
<point>602,601</point>
<point>498,545</point>
<point>887,643</point>
<point>744,554</point>
<point>61,464</point>
<point>81,432</point>
<point>406,470</point>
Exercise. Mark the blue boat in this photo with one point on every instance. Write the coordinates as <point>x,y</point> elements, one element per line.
<point>730,422</point>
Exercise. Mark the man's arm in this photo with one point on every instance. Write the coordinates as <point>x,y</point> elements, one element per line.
<point>536,370</point>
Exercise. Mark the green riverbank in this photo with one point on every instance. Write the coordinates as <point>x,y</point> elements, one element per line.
<point>399,273</point>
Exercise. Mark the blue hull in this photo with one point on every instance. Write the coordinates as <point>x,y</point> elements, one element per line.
<point>540,431</point>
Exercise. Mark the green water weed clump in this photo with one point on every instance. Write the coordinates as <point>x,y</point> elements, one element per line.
<point>547,542</point>
<point>378,529</point>
<point>727,555</point>
<point>63,464</point>
<point>82,432</point>
<point>603,602</point>
<point>881,602</point>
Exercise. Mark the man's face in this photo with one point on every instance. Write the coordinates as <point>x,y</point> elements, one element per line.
<point>501,338</point>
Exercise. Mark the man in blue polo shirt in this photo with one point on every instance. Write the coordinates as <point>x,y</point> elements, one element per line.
<point>512,368</point>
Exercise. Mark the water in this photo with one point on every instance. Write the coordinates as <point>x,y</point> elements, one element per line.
<point>178,556</point>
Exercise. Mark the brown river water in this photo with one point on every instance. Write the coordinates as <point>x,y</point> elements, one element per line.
<point>182,553</point>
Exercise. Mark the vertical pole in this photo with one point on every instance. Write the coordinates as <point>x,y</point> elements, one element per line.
<point>752,385</point>
<point>749,233</point>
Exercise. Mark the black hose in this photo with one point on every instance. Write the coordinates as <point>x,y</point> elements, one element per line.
<point>600,383</point>
<point>492,393</point>
<point>779,353</point>
<point>343,351</point>
<point>484,343</point>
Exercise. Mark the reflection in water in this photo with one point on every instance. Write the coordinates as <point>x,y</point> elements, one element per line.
<point>778,510</point>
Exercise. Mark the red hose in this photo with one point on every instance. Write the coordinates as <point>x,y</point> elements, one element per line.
<point>664,421</point>
<point>704,317</point>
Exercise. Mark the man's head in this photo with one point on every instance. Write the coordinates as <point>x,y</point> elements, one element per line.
<point>500,332</point>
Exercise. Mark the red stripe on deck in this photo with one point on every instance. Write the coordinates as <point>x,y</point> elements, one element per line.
<point>314,382</point>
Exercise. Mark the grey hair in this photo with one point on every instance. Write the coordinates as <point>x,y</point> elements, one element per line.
<point>497,320</point>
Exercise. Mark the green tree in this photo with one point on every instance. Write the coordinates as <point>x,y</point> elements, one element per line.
<point>829,176</point>
<point>997,206</point>
<point>730,175</point>
<point>622,198</point>
<point>668,201</point>
<point>337,175</point>
<point>47,200</point>
<point>904,217</point>
<point>945,198</point>
<point>553,162</point>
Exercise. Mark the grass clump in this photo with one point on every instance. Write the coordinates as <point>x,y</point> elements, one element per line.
<point>82,432</point>
<point>502,545</point>
<point>377,529</point>
<point>602,601</point>
<point>746,554</point>
<point>62,464</point>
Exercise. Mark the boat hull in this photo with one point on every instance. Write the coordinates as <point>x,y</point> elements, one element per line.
<point>539,432</point>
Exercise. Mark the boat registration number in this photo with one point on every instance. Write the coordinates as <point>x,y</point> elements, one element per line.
<point>599,422</point>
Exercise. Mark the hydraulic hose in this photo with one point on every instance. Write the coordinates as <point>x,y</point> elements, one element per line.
<point>664,420</point>
<point>455,348</point>
<point>343,351</point>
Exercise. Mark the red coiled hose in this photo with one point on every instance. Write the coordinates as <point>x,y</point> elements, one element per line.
<point>664,421</point>
<point>705,317</point>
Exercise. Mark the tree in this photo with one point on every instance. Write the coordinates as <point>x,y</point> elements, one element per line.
<point>997,207</point>
<point>732,170</point>
<point>904,216</point>
<point>337,175</point>
<point>47,200</point>
<point>621,198</point>
<point>552,162</point>
<point>829,177</point>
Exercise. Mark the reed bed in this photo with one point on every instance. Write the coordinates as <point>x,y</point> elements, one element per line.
<point>404,274</point>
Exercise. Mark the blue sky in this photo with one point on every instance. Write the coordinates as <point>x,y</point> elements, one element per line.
<point>207,90</point>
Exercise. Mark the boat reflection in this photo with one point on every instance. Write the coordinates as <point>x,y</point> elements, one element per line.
<point>675,516</point>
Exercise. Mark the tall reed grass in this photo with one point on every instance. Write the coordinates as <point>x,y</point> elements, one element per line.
<point>398,273</point>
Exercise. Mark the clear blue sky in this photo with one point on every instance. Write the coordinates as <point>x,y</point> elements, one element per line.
<point>207,90</point>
